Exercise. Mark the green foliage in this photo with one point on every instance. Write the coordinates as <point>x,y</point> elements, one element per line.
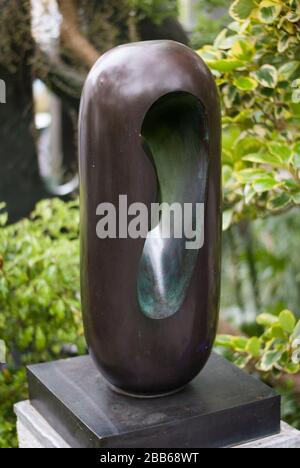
<point>256,62</point>
<point>276,350</point>
<point>241,9</point>
<point>40,317</point>
<point>273,353</point>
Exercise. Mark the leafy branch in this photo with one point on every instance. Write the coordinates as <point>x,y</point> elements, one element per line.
<point>256,62</point>
<point>276,352</point>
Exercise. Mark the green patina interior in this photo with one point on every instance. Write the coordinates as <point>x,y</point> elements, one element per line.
<point>175,137</point>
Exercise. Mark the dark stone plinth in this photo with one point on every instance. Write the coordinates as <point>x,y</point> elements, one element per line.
<point>221,408</point>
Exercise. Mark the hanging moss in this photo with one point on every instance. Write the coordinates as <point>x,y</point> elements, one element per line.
<point>104,23</point>
<point>15,38</point>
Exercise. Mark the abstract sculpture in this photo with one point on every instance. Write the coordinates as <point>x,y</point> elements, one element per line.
<point>150,130</point>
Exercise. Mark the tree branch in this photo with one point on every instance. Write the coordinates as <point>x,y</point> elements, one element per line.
<point>63,80</point>
<point>71,36</point>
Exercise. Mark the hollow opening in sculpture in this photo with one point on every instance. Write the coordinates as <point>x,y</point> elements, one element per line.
<point>176,139</point>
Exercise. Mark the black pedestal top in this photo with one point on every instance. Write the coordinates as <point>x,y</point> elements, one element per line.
<point>221,408</point>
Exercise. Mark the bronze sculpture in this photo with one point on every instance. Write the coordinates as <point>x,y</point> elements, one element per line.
<point>150,129</point>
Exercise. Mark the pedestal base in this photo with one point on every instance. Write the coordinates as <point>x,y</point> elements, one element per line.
<point>35,432</point>
<point>223,407</point>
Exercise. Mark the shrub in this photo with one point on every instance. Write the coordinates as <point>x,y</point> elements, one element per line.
<point>276,351</point>
<point>274,355</point>
<point>40,317</point>
<point>256,62</point>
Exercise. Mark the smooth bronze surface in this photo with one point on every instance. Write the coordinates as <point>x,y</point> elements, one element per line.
<point>150,330</point>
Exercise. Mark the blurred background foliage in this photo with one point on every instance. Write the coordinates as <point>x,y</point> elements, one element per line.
<point>158,10</point>
<point>252,48</point>
<point>210,18</point>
